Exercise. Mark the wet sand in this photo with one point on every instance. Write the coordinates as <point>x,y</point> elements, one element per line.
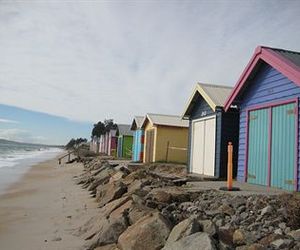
<point>42,209</point>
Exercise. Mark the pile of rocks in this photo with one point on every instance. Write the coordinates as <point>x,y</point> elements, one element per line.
<point>150,207</point>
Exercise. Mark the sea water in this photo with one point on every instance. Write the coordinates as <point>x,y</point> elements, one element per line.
<point>16,159</point>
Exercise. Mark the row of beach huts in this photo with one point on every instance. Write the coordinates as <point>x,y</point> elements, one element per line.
<point>260,116</point>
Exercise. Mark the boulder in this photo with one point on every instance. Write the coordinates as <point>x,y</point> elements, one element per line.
<point>295,234</point>
<point>94,225</point>
<point>254,246</point>
<point>266,210</point>
<point>209,227</point>
<point>148,233</point>
<point>226,209</point>
<point>183,229</point>
<point>109,192</point>
<point>109,232</point>
<point>108,247</point>
<point>282,244</point>
<point>241,237</point>
<point>196,241</point>
<point>225,236</point>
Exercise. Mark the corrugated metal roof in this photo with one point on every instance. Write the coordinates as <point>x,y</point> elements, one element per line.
<point>137,122</point>
<point>292,56</point>
<point>124,129</point>
<point>214,95</point>
<point>166,120</point>
<point>217,93</point>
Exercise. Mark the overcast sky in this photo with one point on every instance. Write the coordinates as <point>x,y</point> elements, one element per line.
<point>91,60</point>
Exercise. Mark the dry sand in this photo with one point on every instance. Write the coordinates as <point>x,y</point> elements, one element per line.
<point>43,208</point>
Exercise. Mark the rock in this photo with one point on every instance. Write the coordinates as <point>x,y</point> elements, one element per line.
<point>225,236</point>
<point>109,233</point>
<point>196,241</point>
<point>108,247</point>
<point>161,196</point>
<point>138,211</point>
<point>282,225</point>
<point>266,210</point>
<point>239,237</point>
<point>266,241</point>
<point>134,186</point>
<point>254,246</point>
<point>226,209</point>
<point>244,215</point>
<point>278,231</point>
<point>237,201</point>
<point>110,192</point>
<point>208,227</point>
<point>183,229</point>
<point>281,243</point>
<point>295,234</point>
<point>118,212</point>
<point>149,232</point>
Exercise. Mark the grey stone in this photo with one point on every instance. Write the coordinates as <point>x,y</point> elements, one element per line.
<point>282,225</point>
<point>295,234</point>
<point>196,241</point>
<point>183,229</point>
<point>244,215</point>
<point>266,210</point>
<point>208,227</point>
<point>149,232</point>
<point>281,243</point>
<point>278,231</point>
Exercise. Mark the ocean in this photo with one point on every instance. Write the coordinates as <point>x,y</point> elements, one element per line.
<point>17,158</point>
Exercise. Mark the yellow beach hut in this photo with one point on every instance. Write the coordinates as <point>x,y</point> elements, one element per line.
<point>166,138</point>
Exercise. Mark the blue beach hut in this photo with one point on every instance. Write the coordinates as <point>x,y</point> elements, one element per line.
<point>138,139</point>
<point>267,97</point>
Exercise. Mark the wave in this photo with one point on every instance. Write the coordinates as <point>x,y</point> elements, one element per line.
<point>13,157</point>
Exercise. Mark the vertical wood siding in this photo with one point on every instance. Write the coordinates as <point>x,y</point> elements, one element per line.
<point>138,145</point>
<point>267,86</point>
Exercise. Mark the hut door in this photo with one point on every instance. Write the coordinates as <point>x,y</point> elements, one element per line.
<point>149,145</point>
<point>258,139</point>
<point>283,146</point>
<point>203,150</point>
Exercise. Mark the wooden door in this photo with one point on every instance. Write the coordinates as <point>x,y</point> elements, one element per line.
<point>283,146</point>
<point>258,139</point>
<point>203,146</point>
<point>149,145</point>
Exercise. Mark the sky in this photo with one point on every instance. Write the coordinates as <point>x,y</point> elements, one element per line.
<point>79,62</point>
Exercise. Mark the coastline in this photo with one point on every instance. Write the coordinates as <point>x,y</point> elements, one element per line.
<point>41,209</point>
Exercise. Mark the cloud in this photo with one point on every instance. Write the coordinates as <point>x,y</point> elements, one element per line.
<point>21,135</point>
<point>98,60</point>
<point>2,120</point>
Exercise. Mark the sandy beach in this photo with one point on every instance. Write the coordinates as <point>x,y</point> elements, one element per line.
<point>42,209</point>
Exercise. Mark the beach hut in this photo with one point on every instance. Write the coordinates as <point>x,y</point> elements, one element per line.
<point>267,97</point>
<point>166,138</point>
<point>138,139</point>
<point>111,142</point>
<point>125,140</point>
<point>210,130</point>
<point>94,144</point>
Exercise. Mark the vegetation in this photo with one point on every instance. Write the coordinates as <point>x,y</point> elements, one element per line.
<point>73,143</point>
<point>101,128</point>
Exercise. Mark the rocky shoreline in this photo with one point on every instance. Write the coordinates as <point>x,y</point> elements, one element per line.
<point>152,207</point>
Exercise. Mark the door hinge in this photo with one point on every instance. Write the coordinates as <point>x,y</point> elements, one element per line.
<point>289,182</point>
<point>252,176</point>
<point>291,111</point>
<point>252,117</point>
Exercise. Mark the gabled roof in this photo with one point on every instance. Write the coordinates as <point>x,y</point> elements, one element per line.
<point>214,95</point>
<point>165,120</point>
<point>137,122</point>
<point>285,61</point>
<point>124,129</point>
